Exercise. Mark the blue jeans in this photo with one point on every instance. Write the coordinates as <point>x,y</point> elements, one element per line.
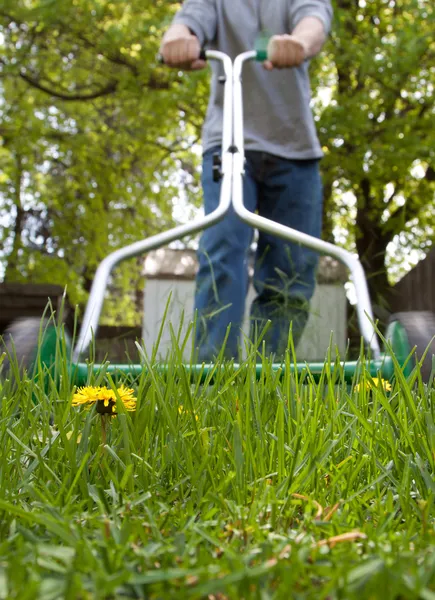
<point>286,191</point>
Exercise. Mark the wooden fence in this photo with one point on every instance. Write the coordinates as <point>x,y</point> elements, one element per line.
<point>416,291</point>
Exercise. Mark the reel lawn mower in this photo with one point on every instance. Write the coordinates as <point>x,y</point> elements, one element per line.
<point>406,331</point>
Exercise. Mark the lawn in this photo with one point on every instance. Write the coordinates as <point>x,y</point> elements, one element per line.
<point>238,487</point>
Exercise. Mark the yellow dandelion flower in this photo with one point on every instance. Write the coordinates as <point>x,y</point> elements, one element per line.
<point>127,398</point>
<point>104,398</point>
<point>376,383</point>
<point>181,410</point>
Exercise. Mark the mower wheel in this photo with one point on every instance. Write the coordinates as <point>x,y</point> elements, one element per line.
<point>22,340</point>
<point>407,330</point>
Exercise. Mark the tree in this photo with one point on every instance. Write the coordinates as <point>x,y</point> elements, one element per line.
<point>91,159</point>
<point>378,130</point>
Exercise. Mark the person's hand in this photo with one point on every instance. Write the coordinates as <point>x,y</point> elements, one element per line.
<point>284,51</point>
<point>181,49</point>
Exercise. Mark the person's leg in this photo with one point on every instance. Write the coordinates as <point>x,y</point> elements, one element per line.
<point>222,278</point>
<point>290,194</point>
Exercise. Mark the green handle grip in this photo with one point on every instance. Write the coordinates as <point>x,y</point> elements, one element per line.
<point>261,55</point>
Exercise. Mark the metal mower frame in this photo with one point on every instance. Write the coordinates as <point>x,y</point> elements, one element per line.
<point>232,171</point>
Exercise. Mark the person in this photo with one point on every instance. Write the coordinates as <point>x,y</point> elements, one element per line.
<point>282,180</point>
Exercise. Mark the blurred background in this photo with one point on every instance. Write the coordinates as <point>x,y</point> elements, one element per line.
<point>100,147</point>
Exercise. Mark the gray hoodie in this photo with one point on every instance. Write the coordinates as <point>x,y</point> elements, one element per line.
<point>277,113</point>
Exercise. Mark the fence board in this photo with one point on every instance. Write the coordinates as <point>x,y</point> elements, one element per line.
<point>416,291</point>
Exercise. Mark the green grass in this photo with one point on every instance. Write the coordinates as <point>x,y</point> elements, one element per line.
<point>238,494</point>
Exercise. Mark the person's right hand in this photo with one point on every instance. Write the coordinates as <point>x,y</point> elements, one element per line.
<point>181,49</point>
<point>284,51</point>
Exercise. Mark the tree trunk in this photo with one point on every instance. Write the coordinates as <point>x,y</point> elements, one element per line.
<point>371,243</point>
<point>11,272</point>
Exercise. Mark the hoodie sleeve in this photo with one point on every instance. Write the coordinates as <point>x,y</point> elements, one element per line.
<point>200,17</point>
<point>299,9</point>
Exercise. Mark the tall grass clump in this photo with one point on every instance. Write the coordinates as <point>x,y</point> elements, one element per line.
<point>225,485</point>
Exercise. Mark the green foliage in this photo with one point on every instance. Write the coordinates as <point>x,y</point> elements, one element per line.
<point>240,487</point>
<point>378,129</point>
<point>95,135</point>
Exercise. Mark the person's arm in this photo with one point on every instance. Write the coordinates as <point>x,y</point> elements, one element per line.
<point>310,32</point>
<point>310,24</point>
<point>180,48</point>
<point>193,26</point>
<point>305,42</point>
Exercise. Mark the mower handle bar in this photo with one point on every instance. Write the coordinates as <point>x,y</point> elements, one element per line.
<point>260,56</point>
<point>232,170</point>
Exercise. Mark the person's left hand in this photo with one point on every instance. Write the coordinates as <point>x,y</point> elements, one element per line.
<point>284,51</point>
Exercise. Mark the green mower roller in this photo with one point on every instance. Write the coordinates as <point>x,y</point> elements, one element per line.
<point>406,332</point>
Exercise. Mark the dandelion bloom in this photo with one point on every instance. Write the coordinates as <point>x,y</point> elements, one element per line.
<point>376,383</point>
<point>104,398</point>
<point>181,410</point>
